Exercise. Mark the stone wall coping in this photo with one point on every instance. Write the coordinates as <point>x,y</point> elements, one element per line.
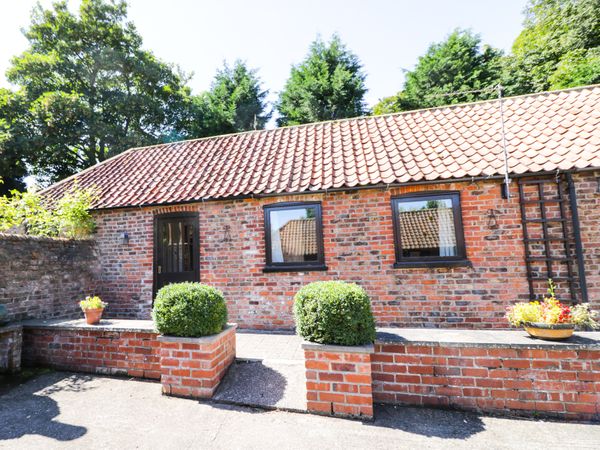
<point>117,325</point>
<point>29,237</point>
<point>314,346</point>
<point>10,327</point>
<point>230,327</point>
<point>435,337</point>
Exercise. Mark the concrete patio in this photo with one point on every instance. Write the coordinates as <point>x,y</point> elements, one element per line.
<point>65,410</point>
<point>268,373</point>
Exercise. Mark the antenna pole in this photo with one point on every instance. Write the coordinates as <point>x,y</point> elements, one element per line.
<point>504,148</point>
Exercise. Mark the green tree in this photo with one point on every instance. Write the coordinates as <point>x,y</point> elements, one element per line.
<point>14,131</point>
<point>558,47</point>
<point>328,84</point>
<point>91,90</point>
<point>460,63</point>
<point>235,102</point>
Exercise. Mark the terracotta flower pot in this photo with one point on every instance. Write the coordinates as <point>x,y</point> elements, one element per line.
<point>555,332</point>
<point>92,316</point>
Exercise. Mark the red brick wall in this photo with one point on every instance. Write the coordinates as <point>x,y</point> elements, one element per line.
<point>588,200</point>
<point>194,367</point>
<point>561,383</point>
<point>134,354</point>
<point>339,383</point>
<point>359,247</point>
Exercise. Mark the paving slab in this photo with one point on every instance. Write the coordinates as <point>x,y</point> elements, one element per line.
<point>271,384</point>
<point>73,411</point>
<point>267,346</point>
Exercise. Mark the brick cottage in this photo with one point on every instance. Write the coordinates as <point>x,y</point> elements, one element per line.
<point>414,207</point>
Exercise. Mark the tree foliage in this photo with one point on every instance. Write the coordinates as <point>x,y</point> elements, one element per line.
<point>558,47</point>
<point>329,84</point>
<point>29,213</point>
<point>90,89</point>
<point>460,63</point>
<point>236,102</point>
<point>14,133</point>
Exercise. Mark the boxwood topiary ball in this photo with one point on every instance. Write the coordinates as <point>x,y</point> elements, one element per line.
<point>189,310</point>
<point>334,312</point>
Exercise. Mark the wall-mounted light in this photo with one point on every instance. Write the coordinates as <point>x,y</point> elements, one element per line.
<point>124,238</point>
<point>227,233</point>
<point>492,221</point>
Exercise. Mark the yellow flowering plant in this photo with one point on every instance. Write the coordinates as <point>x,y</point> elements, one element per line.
<point>92,302</point>
<point>551,312</point>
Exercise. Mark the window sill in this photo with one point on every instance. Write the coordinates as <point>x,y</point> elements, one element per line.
<point>418,264</point>
<point>307,268</point>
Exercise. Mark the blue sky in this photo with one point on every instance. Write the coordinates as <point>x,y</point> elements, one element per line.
<point>388,36</point>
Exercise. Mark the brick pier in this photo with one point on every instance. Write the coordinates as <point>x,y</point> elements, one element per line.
<point>194,367</point>
<point>338,380</point>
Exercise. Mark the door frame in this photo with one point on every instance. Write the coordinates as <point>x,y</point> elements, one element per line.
<point>195,247</point>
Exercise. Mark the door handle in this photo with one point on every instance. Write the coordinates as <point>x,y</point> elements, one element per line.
<point>159,269</point>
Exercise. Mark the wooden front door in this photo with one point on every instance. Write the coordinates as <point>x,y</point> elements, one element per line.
<point>176,250</point>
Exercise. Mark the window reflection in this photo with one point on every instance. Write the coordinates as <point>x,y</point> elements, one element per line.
<point>293,235</point>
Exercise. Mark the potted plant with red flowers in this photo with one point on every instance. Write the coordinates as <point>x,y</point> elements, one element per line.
<point>550,319</point>
<point>92,307</point>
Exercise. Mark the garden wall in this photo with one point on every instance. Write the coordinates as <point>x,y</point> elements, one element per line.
<point>45,278</point>
<point>359,247</point>
<point>494,371</point>
<point>131,349</point>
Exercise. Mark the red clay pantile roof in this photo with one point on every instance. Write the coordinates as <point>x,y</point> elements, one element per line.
<point>299,237</point>
<point>545,132</point>
<point>420,229</point>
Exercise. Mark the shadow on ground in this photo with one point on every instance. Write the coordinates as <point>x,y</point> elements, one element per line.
<point>252,383</point>
<point>269,384</point>
<point>428,422</point>
<point>28,409</point>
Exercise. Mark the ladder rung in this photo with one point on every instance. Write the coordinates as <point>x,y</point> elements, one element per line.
<point>541,202</point>
<point>545,240</point>
<point>543,258</point>
<point>553,279</point>
<point>543,220</point>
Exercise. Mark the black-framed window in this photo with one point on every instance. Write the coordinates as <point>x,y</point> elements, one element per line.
<point>294,237</point>
<point>428,230</point>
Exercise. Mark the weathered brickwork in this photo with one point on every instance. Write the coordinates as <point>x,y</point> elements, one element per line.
<point>339,382</point>
<point>530,381</point>
<point>194,367</point>
<point>588,200</point>
<point>359,247</point>
<point>130,353</point>
<point>11,342</point>
<point>44,278</point>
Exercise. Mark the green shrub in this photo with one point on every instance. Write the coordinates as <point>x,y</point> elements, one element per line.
<point>334,312</point>
<point>189,309</point>
<point>68,217</point>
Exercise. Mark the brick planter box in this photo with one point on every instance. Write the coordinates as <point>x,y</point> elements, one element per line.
<point>11,339</point>
<point>194,367</point>
<point>338,380</point>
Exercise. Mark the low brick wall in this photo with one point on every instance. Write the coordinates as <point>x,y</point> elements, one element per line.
<point>11,339</point>
<point>338,380</point>
<point>489,371</point>
<point>194,367</point>
<point>187,367</point>
<point>128,348</point>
